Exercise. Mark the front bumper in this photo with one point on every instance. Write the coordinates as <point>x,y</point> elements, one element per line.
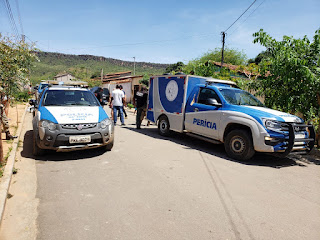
<point>58,139</point>
<point>299,138</point>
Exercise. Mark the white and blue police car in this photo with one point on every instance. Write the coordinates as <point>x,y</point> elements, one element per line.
<point>70,118</point>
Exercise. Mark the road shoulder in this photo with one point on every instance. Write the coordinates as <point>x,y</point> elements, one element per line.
<point>18,203</point>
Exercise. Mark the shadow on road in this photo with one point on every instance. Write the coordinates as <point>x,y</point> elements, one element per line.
<point>259,159</point>
<point>54,156</point>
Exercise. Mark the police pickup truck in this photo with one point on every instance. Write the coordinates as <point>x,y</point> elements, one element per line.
<point>219,112</point>
<point>70,118</point>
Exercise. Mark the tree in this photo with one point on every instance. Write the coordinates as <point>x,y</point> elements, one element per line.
<point>291,73</point>
<point>145,80</point>
<point>204,66</point>
<point>174,68</point>
<point>257,60</point>
<point>16,59</point>
<point>15,62</point>
<point>231,56</point>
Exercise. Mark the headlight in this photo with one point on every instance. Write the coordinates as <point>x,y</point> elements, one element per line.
<point>48,124</point>
<point>273,125</point>
<point>105,123</point>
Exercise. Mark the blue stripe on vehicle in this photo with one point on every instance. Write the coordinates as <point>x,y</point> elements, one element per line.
<point>150,116</point>
<point>47,115</point>
<point>102,114</point>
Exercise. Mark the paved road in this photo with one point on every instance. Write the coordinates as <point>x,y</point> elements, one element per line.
<point>149,187</point>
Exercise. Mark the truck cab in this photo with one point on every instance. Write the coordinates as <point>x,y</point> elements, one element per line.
<point>220,112</point>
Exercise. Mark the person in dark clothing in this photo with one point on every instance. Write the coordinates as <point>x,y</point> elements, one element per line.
<point>141,98</point>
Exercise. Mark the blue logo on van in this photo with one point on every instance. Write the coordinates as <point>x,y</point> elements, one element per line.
<point>205,123</point>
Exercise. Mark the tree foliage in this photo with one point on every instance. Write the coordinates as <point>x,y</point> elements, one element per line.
<point>174,68</point>
<point>231,56</point>
<point>257,60</point>
<point>291,70</point>
<point>204,66</point>
<point>16,59</point>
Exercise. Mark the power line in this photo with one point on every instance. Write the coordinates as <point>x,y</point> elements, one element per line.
<point>247,17</point>
<point>240,15</point>
<point>11,19</point>
<point>140,43</point>
<point>19,16</point>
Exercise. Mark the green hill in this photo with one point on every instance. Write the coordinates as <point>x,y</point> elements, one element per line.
<point>85,67</point>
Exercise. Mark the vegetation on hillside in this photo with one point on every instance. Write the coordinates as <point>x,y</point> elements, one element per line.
<point>86,67</point>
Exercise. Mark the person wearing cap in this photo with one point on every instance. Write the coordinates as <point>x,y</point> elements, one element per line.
<point>4,119</point>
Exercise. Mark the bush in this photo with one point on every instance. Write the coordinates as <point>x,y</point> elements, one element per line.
<point>22,96</point>
<point>130,105</point>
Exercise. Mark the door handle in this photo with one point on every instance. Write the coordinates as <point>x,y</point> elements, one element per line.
<point>196,110</point>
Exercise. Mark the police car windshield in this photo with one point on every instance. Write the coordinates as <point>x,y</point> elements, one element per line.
<point>239,97</point>
<point>69,98</point>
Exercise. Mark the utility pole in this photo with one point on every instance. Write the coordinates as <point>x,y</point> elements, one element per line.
<point>23,38</point>
<point>101,75</point>
<point>134,66</point>
<point>222,50</point>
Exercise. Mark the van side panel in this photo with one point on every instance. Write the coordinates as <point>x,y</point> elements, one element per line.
<point>168,96</point>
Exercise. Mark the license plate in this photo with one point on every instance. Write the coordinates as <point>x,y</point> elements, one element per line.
<point>300,135</point>
<point>80,139</point>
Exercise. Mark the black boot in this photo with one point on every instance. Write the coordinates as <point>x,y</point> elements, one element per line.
<point>9,136</point>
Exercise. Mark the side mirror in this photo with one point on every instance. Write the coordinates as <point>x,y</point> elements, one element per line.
<point>213,102</point>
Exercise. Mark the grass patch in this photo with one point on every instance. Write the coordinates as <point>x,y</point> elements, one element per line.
<point>8,154</point>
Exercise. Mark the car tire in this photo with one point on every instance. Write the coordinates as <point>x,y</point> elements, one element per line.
<point>36,151</point>
<point>109,146</point>
<point>164,126</point>
<point>238,145</point>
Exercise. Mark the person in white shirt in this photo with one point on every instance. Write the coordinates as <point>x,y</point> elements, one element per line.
<point>117,101</point>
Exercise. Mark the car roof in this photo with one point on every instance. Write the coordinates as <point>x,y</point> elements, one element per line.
<point>56,87</point>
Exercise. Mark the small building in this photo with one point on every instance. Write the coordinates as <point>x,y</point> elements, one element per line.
<point>64,77</point>
<point>131,84</point>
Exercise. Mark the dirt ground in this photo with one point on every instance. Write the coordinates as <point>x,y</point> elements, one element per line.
<point>14,115</point>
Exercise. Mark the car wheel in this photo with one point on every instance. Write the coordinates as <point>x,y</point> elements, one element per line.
<point>238,145</point>
<point>36,151</point>
<point>109,146</point>
<point>164,126</point>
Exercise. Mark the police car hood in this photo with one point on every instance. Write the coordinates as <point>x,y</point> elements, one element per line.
<point>73,114</point>
<point>260,113</point>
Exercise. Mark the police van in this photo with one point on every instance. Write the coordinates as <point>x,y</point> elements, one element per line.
<point>70,118</point>
<point>218,111</point>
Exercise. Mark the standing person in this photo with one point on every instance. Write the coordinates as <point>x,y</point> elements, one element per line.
<point>4,119</point>
<point>141,104</point>
<point>124,111</point>
<point>117,100</point>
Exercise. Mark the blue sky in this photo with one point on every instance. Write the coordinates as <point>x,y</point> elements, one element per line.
<point>163,31</point>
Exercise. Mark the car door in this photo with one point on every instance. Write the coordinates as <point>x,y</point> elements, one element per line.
<point>201,117</point>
